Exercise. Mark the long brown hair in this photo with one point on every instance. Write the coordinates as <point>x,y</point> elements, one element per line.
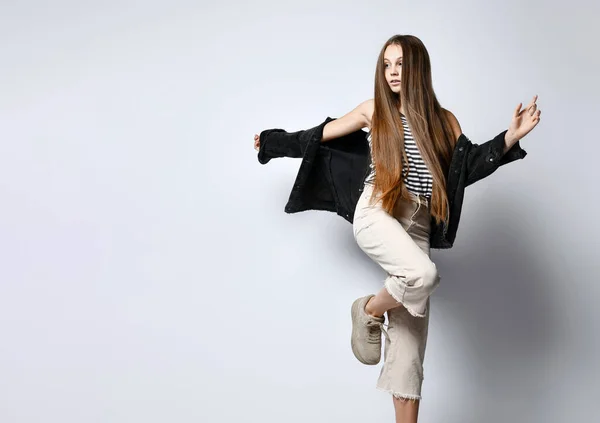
<point>427,121</point>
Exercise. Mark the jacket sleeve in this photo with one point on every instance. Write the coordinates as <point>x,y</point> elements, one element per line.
<point>277,142</point>
<point>483,160</point>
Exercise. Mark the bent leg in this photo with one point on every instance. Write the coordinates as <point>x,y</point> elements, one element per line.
<point>412,276</point>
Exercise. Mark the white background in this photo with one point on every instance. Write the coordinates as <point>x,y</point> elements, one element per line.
<point>149,273</point>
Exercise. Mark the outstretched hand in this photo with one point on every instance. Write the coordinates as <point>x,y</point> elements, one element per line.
<point>523,121</point>
<point>256,142</point>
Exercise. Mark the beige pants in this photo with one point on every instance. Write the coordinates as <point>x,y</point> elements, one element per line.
<point>400,245</point>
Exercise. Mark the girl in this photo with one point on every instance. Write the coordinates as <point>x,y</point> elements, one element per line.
<point>411,143</point>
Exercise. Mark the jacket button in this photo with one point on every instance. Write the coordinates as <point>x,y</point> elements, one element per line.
<point>460,149</point>
<point>457,171</point>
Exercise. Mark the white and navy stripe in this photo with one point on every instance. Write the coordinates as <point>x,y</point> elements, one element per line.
<point>418,180</point>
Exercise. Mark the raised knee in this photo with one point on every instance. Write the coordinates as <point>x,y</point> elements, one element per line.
<point>430,276</point>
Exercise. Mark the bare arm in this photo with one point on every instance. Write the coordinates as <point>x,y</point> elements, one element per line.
<point>352,121</point>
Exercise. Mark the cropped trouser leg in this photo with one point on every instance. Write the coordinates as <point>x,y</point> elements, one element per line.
<point>399,243</point>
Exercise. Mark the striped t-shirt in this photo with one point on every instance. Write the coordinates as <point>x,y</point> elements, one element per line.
<point>418,180</point>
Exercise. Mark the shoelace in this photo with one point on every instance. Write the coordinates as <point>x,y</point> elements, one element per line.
<point>373,334</point>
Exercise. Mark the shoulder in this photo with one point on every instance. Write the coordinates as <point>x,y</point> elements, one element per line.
<point>453,123</point>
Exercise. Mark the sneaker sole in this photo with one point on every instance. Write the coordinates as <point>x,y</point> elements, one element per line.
<point>354,314</point>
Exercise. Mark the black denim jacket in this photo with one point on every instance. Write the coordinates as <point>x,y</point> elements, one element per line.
<point>332,174</point>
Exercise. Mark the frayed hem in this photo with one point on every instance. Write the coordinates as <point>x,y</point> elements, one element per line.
<point>395,297</point>
<point>401,396</point>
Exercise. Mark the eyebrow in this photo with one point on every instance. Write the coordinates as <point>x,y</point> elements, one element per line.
<point>390,60</point>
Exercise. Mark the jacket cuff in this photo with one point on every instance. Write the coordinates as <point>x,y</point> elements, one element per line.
<point>278,142</point>
<point>515,153</point>
<point>483,160</point>
<point>496,151</point>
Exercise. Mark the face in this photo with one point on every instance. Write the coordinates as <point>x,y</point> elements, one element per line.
<point>392,62</point>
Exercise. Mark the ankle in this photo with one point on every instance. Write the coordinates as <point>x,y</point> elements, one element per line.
<point>369,309</point>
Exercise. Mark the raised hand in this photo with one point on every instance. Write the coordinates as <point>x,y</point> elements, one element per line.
<point>523,121</point>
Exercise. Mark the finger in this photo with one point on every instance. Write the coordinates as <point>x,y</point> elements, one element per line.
<point>532,109</point>
<point>533,100</point>
<point>528,106</point>
<point>517,110</point>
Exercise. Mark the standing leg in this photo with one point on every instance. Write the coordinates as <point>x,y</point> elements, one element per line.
<point>406,410</point>
<point>402,373</point>
<point>400,245</point>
